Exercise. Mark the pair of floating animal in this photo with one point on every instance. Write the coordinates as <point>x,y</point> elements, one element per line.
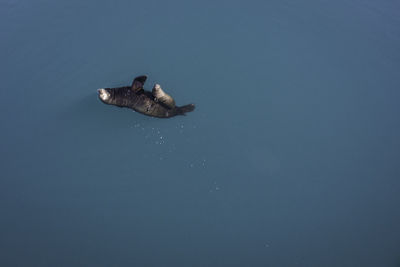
<point>155,103</point>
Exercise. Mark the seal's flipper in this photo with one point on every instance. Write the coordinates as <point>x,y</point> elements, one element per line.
<point>186,108</point>
<point>163,98</point>
<point>138,83</point>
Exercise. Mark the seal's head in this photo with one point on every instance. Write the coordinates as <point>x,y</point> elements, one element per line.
<point>104,94</point>
<point>162,97</point>
<point>157,91</point>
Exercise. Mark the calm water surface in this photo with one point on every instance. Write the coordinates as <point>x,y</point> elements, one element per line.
<point>291,157</point>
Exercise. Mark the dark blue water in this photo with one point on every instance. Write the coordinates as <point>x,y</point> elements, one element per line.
<point>291,157</point>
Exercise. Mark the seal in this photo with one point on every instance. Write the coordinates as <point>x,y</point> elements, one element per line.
<point>162,97</point>
<point>142,101</point>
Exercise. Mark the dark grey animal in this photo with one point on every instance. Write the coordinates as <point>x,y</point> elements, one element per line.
<point>140,100</point>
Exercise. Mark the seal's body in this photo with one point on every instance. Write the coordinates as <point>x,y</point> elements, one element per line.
<point>136,98</point>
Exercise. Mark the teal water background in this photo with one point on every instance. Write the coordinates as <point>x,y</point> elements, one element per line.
<point>291,157</point>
